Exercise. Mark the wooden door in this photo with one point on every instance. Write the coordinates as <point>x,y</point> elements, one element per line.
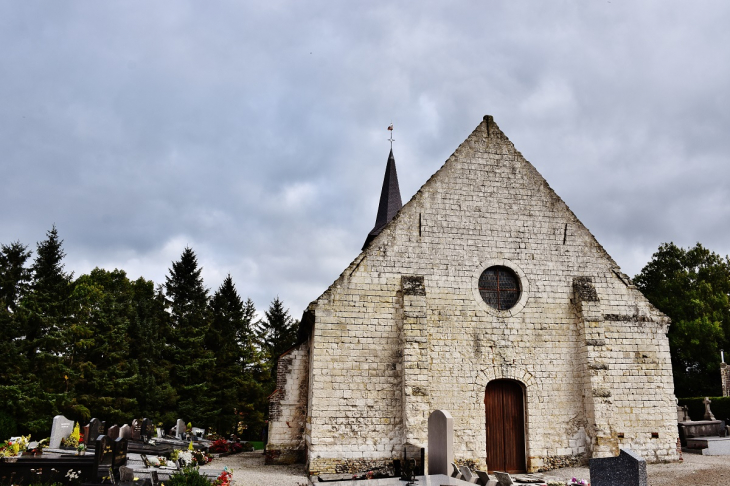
<point>505,426</point>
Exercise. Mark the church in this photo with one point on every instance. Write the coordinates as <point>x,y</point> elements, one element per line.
<point>486,297</point>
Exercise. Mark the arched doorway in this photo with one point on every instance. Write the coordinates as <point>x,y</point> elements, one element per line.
<point>505,426</point>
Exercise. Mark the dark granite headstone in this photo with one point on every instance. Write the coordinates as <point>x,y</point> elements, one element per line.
<point>627,469</point>
<point>113,432</point>
<point>148,430</point>
<point>103,454</point>
<point>96,428</point>
<point>119,453</point>
<point>136,428</point>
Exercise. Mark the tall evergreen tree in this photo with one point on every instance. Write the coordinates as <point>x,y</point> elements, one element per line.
<point>278,333</point>
<point>189,324</point>
<point>14,282</point>
<point>148,333</point>
<point>692,287</point>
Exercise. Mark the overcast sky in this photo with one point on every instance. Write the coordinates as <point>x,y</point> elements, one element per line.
<point>255,132</point>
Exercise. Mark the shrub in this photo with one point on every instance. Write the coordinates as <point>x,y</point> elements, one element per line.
<point>188,476</point>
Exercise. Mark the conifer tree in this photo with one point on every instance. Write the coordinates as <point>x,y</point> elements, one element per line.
<point>190,358</point>
<point>278,333</point>
<point>14,282</point>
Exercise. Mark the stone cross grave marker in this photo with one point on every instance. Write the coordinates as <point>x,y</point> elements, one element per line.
<point>708,412</point>
<point>180,429</point>
<point>125,431</point>
<point>62,428</point>
<point>113,432</point>
<point>440,442</point>
<point>627,469</point>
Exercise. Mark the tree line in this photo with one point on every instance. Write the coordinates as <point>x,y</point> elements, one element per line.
<point>102,345</point>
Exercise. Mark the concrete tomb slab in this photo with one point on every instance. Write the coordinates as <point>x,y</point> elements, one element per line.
<point>626,469</point>
<point>440,442</point>
<point>711,446</point>
<point>61,428</point>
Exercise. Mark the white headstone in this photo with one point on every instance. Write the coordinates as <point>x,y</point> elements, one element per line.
<point>61,428</point>
<point>180,428</point>
<point>160,433</point>
<point>198,432</point>
<point>440,442</point>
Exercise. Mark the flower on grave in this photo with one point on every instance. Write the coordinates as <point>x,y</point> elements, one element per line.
<point>190,446</point>
<point>71,474</point>
<point>76,434</point>
<point>369,475</point>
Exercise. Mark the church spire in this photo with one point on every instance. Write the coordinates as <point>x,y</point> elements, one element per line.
<point>390,202</point>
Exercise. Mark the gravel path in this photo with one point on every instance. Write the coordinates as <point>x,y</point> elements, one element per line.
<point>249,470</point>
<point>695,469</point>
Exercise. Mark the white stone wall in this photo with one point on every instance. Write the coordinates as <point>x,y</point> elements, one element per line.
<point>288,408</point>
<point>487,205</point>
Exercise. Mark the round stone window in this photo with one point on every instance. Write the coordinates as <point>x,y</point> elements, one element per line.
<point>499,287</point>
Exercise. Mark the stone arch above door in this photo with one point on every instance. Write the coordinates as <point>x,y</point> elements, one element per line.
<point>510,372</point>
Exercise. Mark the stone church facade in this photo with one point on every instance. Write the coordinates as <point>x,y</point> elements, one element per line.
<point>486,297</point>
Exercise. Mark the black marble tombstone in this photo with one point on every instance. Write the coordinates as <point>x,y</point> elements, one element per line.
<point>627,469</point>
<point>119,454</point>
<point>103,455</point>
<point>148,430</point>
<point>96,428</point>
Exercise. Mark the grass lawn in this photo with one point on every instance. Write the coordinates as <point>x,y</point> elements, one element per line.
<point>257,445</point>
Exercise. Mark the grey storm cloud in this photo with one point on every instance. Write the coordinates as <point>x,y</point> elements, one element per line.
<point>254,132</point>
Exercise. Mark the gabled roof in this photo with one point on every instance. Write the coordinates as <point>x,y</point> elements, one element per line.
<point>390,201</point>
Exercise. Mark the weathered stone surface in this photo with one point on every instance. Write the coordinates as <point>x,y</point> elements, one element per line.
<point>61,428</point>
<point>588,348</point>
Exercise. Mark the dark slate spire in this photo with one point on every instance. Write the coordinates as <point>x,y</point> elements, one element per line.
<point>390,202</point>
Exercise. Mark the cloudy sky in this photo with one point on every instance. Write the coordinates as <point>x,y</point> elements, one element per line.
<point>255,132</point>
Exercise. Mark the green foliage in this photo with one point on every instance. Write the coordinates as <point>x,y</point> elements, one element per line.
<point>104,346</point>
<point>720,407</point>
<point>187,352</point>
<point>8,426</point>
<point>692,287</point>
<point>278,333</point>
<point>188,476</point>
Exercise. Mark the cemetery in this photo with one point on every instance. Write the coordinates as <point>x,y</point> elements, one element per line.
<point>140,453</point>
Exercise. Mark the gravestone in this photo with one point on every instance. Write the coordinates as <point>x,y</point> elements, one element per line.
<point>440,442</point>
<point>126,474</point>
<point>136,429</point>
<point>180,428</point>
<point>125,431</point>
<point>113,432</point>
<point>160,432</point>
<point>627,469</point>
<point>96,428</point>
<point>62,428</point>
<point>103,454</point>
<point>198,432</point>
<point>119,453</point>
<point>148,430</point>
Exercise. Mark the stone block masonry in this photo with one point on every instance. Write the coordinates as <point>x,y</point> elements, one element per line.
<point>404,330</point>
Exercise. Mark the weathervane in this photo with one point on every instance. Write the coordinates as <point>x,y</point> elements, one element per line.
<point>390,129</point>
